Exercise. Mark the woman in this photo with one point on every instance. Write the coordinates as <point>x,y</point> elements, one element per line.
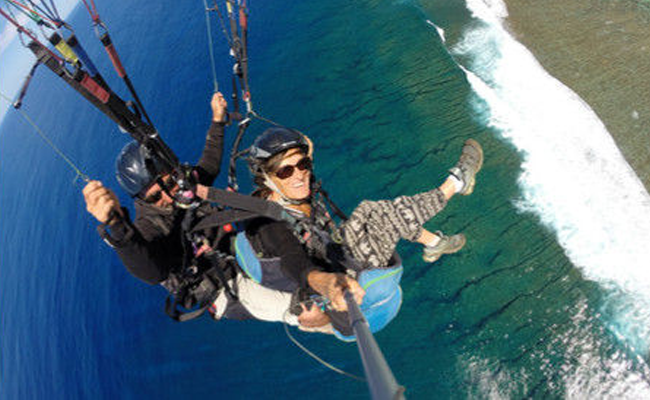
<point>364,245</point>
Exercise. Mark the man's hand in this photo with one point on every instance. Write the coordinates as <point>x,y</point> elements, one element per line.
<point>219,106</point>
<point>101,202</point>
<point>333,286</point>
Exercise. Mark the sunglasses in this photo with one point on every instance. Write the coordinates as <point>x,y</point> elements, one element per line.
<point>288,170</point>
<point>166,184</point>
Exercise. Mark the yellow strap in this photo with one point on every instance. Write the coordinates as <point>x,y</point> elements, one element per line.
<point>67,52</point>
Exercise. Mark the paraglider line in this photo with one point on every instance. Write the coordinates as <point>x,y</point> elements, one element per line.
<point>210,45</point>
<point>314,356</point>
<point>38,130</point>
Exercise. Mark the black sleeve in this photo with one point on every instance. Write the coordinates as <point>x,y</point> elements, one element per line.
<point>148,261</point>
<point>209,165</point>
<point>146,253</point>
<point>275,239</point>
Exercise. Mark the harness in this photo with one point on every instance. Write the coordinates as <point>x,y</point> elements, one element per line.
<point>320,236</point>
<point>202,276</point>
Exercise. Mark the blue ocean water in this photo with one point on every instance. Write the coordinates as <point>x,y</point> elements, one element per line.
<point>388,106</point>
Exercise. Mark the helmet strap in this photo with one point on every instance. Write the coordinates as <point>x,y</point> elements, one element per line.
<point>284,200</point>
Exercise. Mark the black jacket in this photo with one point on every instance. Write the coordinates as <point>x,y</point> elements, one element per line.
<point>306,248</point>
<point>152,245</point>
<point>276,239</point>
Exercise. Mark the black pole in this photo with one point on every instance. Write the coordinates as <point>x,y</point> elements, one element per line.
<point>381,381</point>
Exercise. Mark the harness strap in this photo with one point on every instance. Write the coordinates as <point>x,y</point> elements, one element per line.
<point>255,205</point>
<point>102,34</point>
<point>224,217</point>
<point>22,30</point>
<point>215,259</point>
<point>232,168</point>
<point>64,49</point>
<point>74,43</point>
<point>180,305</point>
<point>121,72</point>
<point>171,308</point>
<point>114,107</point>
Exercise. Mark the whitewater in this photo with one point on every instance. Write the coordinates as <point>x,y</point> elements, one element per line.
<point>574,178</point>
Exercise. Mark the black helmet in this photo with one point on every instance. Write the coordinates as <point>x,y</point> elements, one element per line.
<point>275,140</point>
<point>131,168</point>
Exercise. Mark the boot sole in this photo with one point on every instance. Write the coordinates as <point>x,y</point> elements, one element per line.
<point>450,251</point>
<point>470,187</point>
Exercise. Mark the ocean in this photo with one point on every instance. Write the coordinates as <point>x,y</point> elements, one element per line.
<point>548,299</point>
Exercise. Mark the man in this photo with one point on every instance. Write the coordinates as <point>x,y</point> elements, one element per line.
<point>154,248</point>
<point>150,246</point>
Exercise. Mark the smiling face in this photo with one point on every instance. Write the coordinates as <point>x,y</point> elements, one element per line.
<point>158,197</point>
<point>296,185</point>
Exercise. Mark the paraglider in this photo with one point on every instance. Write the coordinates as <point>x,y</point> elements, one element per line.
<point>73,65</point>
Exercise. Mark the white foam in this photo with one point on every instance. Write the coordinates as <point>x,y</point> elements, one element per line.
<point>441,32</point>
<point>489,10</point>
<point>587,369</point>
<point>574,177</point>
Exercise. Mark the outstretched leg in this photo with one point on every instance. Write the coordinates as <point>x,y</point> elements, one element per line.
<point>375,227</point>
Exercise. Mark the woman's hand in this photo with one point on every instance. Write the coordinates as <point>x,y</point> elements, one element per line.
<point>312,317</point>
<point>333,286</point>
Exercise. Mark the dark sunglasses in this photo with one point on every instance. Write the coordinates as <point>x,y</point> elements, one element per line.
<point>288,170</point>
<point>165,184</point>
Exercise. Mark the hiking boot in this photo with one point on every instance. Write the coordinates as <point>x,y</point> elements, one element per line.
<point>470,162</point>
<point>446,245</point>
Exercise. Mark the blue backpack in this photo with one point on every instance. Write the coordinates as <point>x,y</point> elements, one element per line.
<point>380,305</point>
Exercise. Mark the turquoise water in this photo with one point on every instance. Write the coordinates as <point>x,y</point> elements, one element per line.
<point>388,104</point>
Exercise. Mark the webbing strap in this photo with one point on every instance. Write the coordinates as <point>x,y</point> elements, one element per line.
<point>22,29</point>
<point>63,48</point>
<point>232,168</point>
<point>114,107</point>
<point>171,308</point>
<point>94,88</point>
<point>217,260</point>
<point>248,203</point>
<point>73,42</point>
<point>224,217</point>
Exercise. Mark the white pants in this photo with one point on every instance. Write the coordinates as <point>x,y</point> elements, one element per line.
<point>261,302</point>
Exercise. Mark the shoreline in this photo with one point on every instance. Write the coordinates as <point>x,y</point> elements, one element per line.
<point>601,50</point>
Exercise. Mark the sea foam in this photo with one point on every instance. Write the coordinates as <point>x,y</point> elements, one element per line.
<point>573,175</point>
<point>439,30</point>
